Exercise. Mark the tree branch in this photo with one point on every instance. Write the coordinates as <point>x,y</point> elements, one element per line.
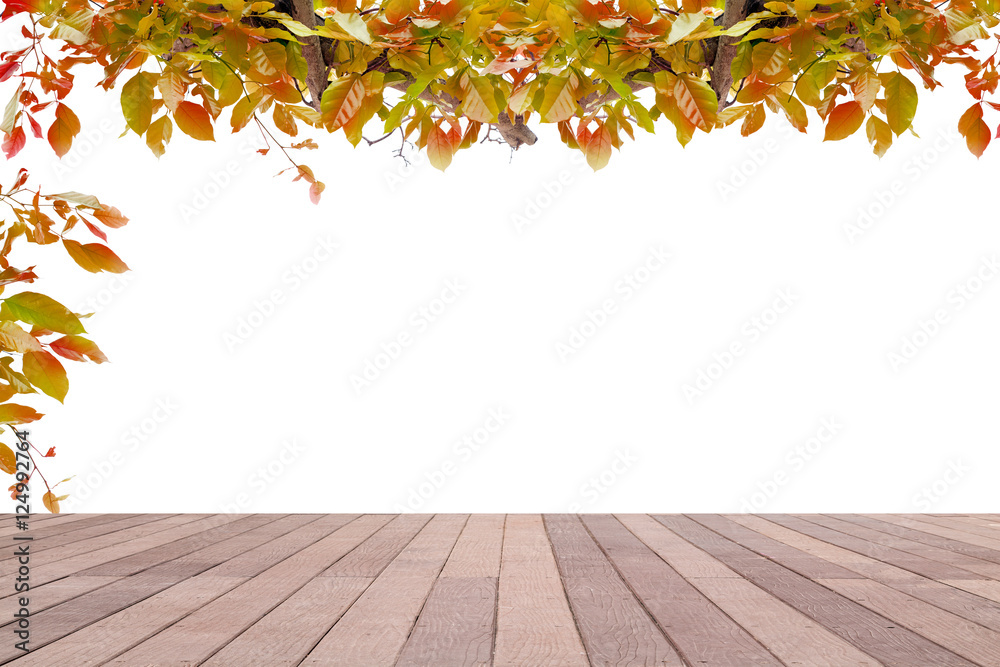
<point>722,76</point>
<point>319,72</point>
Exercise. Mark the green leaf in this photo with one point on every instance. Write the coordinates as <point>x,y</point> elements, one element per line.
<point>45,372</point>
<point>900,101</point>
<point>742,63</point>
<point>137,101</point>
<point>43,311</point>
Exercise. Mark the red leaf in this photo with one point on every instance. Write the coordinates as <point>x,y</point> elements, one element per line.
<point>51,452</point>
<point>78,348</point>
<point>7,70</point>
<point>14,142</point>
<point>36,129</point>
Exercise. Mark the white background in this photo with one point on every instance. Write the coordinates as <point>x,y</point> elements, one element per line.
<point>607,428</point>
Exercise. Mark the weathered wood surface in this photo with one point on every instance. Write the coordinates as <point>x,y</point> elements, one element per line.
<point>519,590</point>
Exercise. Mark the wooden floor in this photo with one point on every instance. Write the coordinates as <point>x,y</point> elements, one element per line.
<point>510,591</point>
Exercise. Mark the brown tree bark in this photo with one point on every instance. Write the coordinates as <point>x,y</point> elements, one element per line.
<point>722,76</point>
<point>319,72</point>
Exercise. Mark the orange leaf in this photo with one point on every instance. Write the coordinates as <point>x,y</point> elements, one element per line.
<point>95,257</point>
<point>11,413</point>
<point>439,148</point>
<point>975,131</point>
<point>65,127</point>
<point>843,121</point>
<point>14,142</point>
<point>194,121</point>
<point>599,148</point>
<point>8,461</point>
<point>51,502</point>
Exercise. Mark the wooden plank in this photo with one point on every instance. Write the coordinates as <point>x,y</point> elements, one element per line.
<point>959,546</point>
<point>907,561</point>
<point>477,552</point>
<point>614,626</point>
<point>806,564</point>
<point>375,553</point>
<point>51,552</point>
<point>455,627</point>
<point>692,622</point>
<point>99,642</point>
<point>374,629</point>
<point>253,562</point>
<point>285,635</point>
<point>226,535</point>
<point>38,521</point>
<point>943,531</point>
<point>50,528</point>
<point>63,619</point>
<point>959,526</point>
<point>203,632</point>
<point>871,633</point>
<point>65,538</point>
<point>964,564</point>
<point>289,631</point>
<point>787,633</point>
<point>53,593</point>
<point>965,638</point>
<point>534,623</point>
<point>940,594</point>
<point>47,572</point>
<point>688,560</point>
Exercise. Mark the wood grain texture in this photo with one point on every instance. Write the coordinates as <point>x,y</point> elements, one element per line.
<point>534,623</point>
<point>944,595</point>
<point>374,629</point>
<point>522,590</point>
<point>614,626</point>
<point>874,634</point>
<point>687,617</point>
<point>456,625</point>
